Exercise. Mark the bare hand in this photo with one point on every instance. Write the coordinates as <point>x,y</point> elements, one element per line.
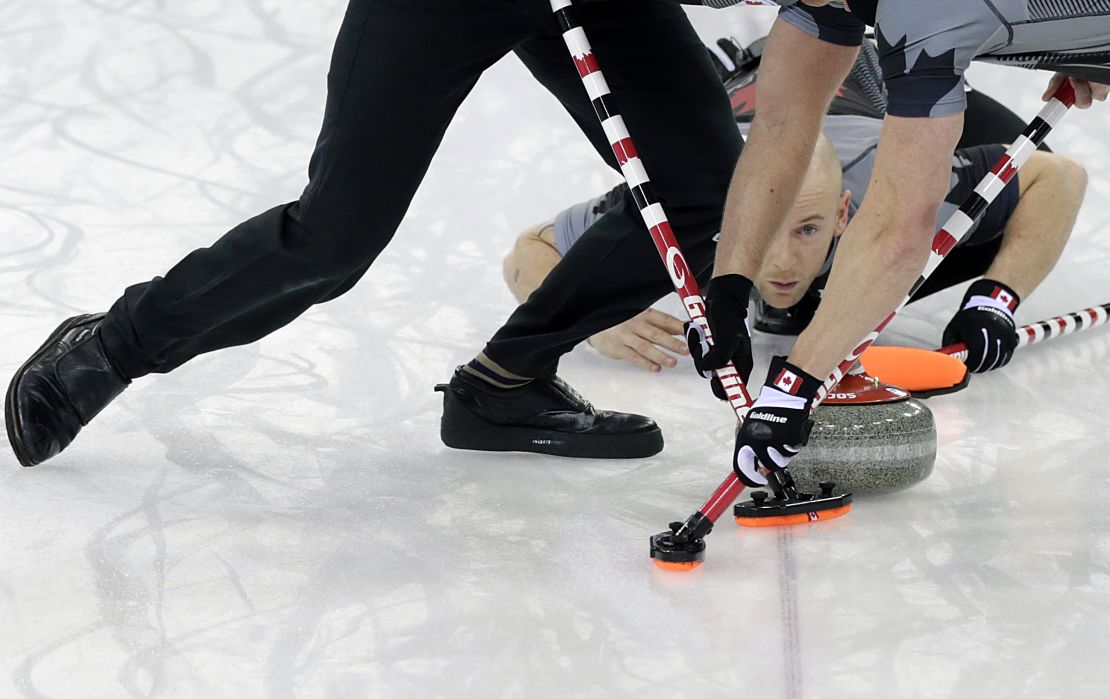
<point>1086,92</point>
<point>641,340</point>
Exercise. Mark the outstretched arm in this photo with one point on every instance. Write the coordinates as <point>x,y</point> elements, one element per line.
<point>798,77</point>
<point>885,247</point>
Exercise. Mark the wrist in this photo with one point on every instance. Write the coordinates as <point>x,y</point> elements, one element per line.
<point>788,386</point>
<point>993,294</point>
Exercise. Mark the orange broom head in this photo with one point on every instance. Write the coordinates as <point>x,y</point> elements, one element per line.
<point>680,567</point>
<point>919,371</point>
<point>791,520</point>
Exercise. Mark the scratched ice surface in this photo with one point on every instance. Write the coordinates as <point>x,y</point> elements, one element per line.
<point>281,520</point>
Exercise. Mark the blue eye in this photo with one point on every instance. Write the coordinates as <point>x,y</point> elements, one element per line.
<point>809,230</point>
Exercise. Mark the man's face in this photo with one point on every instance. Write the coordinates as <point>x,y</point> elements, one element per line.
<point>798,251</point>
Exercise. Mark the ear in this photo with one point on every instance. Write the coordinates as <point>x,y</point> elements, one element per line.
<point>842,213</point>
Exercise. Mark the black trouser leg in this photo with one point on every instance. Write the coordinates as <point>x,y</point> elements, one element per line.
<point>680,119</point>
<point>399,71</point>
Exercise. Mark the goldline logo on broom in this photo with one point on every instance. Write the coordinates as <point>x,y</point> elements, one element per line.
<point>767,417</point>
<point>695,307</point>
<point>730,382</point>
<point>676,265</point>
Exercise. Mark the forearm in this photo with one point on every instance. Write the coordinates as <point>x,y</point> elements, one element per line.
<point>1051,195</point>
<point>886,245</point>
<point>875,267</point>
<point>798,78</point>
<point>770,172</point>
<point>532,258</point>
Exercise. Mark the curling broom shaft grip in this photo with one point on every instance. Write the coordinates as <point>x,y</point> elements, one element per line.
<point>1063,325</point>
<point>957,350</point>
<point>1049,329</point>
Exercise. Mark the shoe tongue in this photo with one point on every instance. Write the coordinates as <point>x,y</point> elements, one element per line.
<point>570,394</point>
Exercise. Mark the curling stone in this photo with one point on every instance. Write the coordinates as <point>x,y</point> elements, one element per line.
<point>868,437</point>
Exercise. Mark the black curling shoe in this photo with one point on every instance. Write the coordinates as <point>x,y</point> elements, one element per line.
<point>546,417</point>
<point>61,387</point>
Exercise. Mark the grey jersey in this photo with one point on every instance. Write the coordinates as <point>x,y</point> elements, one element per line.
<point>926,45</point>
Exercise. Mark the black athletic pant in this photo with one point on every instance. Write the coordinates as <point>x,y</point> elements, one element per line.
<point>399,71</point>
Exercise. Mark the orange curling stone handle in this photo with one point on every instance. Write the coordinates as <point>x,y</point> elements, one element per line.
<point>863,389</point>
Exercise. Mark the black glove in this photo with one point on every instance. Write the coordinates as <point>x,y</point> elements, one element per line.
<point>778,424</point>
<point>985,323</point>
<point>726,309</point>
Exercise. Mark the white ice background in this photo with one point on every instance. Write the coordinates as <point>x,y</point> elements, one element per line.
<point>281,520</point>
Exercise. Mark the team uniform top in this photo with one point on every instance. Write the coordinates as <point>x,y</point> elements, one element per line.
<point>926,45</point>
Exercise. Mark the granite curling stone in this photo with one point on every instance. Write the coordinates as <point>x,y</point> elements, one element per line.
<point>870,438</point>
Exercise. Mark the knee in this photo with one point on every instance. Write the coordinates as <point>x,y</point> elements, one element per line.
<point>1072,174</point>
<point>340,244</point>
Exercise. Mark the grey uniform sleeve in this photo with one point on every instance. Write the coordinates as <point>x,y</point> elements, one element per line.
<point>572,223</point>
<point>924,50</point>
<point>924,47</point>
<point>828,24</point>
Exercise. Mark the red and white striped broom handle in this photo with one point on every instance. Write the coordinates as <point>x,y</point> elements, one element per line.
<point>1049,329</point>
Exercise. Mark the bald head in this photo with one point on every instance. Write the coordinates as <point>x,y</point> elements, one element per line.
<point>824,167</point>
<point>798,251</point>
